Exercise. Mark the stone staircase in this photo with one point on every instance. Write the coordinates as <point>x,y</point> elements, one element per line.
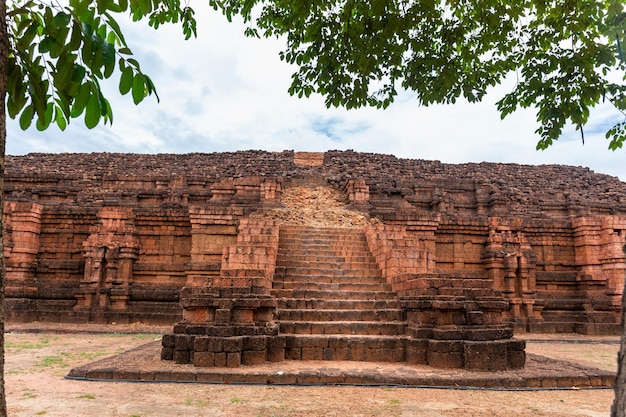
<point>333,303</point>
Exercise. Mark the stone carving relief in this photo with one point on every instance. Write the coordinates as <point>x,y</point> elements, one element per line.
<point>511,263</point>
<point>109,252</point>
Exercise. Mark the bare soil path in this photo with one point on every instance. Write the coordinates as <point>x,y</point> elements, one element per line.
<point>36,364</point>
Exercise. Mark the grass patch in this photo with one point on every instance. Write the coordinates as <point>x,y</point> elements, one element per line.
<point>52,362</point>
<point>274,411</point>
<point>26,395</point>
<point>392,408</point>
<point>236,400</point>
<point>194,402</point>
<point>82,356</point>
<point>42,343</point>
<point>42,412</point>
<point>88,396</point>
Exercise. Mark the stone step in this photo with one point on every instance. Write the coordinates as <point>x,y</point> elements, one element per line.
<point>389,328</point>
<point>325,286</point>
<point>332,259</point>
<point>322,251</point>
<point>346,348</point>
<point>314,271</point>
<point>312,234</point>
<point>336,304</point>
<point>457,283</point>
<point>319,238</point>
<point>330,245</point>
<point>459,292</point>
<point>341,264</point>
<point>340,315</point>
<point>374,279</point>
<point>324,239</point>
<point>334,295</point>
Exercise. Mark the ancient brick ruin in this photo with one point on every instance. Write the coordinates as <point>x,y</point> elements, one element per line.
<point>446,261</point>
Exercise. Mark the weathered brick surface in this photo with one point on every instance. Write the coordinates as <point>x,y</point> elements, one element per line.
<point>125,238</point>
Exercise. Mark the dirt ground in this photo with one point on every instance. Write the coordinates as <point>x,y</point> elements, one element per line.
<point>36,364</point>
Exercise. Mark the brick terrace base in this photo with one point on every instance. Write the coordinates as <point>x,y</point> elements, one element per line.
<point>143,364</point>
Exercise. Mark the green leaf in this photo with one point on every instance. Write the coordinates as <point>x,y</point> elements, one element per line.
<point>133,62</point>
<point>27,117</point>
<point>115,27</point>
<point>44,122</point>
<point>126,80</point>
<point>93,111</point>
<point>61,20</point>
<point>138,88</point>
<point>108,59</point>
<point>75,37</point>
<point>30,33</point>
<point>145,6</point>
<point>81,99</point>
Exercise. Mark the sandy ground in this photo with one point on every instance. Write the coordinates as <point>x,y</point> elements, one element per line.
<point>36,364</point>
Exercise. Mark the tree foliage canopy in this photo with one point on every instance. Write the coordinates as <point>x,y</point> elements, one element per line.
<point>58,54</point>
<point>566,54</point>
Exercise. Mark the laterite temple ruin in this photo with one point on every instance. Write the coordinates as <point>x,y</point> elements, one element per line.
<point>269,256</point>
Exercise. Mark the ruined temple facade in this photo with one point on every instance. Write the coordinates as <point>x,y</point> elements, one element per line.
<point>458,255</point>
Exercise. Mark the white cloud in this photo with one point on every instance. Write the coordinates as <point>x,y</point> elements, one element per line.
<point>224,92</point>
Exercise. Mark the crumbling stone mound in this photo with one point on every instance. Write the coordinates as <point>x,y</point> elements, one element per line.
<point>315,207</point>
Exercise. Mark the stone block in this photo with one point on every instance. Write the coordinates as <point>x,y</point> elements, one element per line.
<point>222,316</point>
<point>416,351</point>
<point>279,342</point>
<point>275,354</point>
<point>181,356</point>
<point>328,354</point>
<point>293,354</point>
<point>220,359</point>
<point>233,344</point>
<point>184,342</point>
<point>254,343</point>
<point>445,354</point>
<point>516,359</point>
<point>168,340</point>
<point>253,357</point>
<point>167,353</point>
<point>233,359</point>
<point>200,343</point>
<point>214,344</point>
<point>485,356</point>
<point>312,354</point>
<point>204,359</point>
<point>221,331</point>
<point>445,359</point>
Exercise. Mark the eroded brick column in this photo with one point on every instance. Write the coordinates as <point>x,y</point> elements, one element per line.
<point>110,252</point>
<point>358,193</point>
<point>229,320</point>
<point>452,324</point>
<point>510,263</point>
<point>613,238</point>
<point>400,257</point>
<point>598,248</point>
<point>22,223</point>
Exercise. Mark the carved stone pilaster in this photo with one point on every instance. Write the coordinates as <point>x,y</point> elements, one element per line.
<point>109,252</point>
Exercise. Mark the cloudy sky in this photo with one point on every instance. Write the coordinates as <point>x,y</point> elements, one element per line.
<point>225,92</point>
